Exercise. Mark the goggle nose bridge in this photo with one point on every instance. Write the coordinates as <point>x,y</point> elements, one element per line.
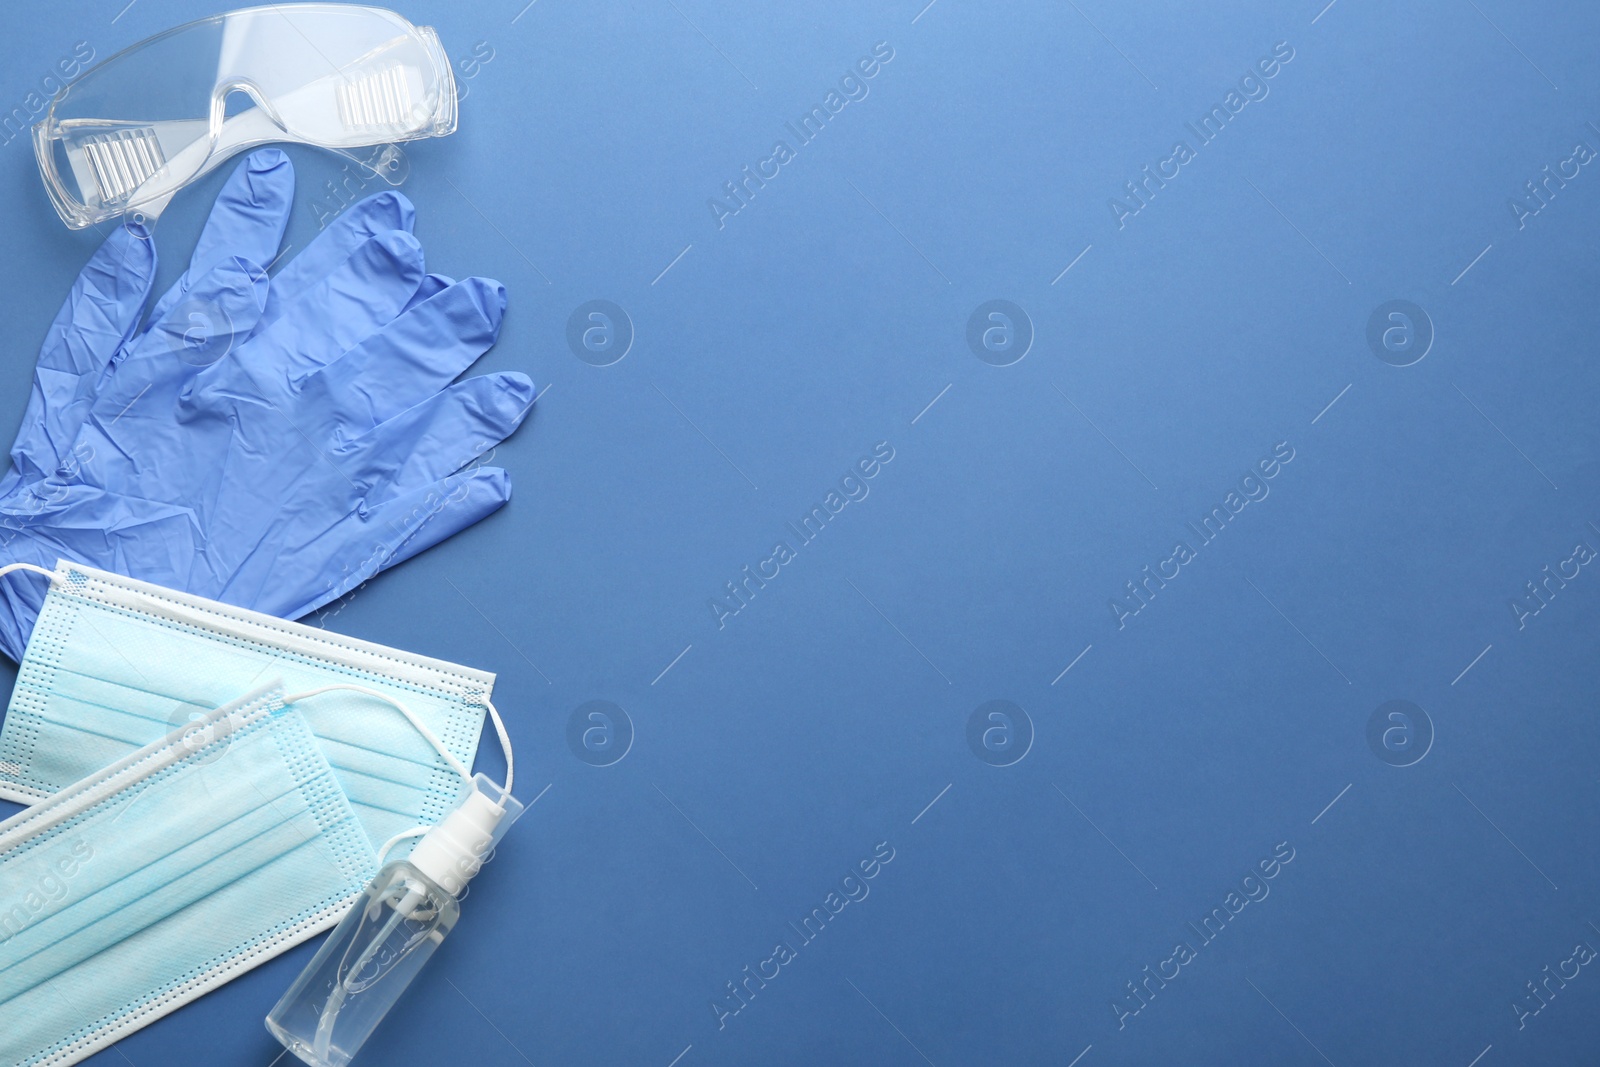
<point>225,90</point>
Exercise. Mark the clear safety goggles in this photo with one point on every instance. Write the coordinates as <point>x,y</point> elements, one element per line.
<point>135,129</point>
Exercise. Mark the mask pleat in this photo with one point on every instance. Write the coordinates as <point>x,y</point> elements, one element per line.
<point>196,862</point>
<point>115,665</point>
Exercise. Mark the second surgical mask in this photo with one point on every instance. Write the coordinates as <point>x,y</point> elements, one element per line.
<point>166,874</point>
<point>115,664</point>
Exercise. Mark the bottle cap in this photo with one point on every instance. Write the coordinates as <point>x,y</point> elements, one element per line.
<point>452,852</point>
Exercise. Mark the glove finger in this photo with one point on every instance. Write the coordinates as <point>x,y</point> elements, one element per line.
<point>374,215</point>
<point>100,313</point>
<point>362,295</point>
<point>221,309</point>
<point>438,512</point>
<point>431,286</point>
<point>441,435</point>
<point>408,361</point>
<point>379,537</point>
<point>247,222</point>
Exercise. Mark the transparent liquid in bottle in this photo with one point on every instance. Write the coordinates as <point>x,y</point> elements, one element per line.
<point>364,966</point>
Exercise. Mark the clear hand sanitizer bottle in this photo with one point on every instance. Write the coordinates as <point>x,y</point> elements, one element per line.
<point>391,931</point>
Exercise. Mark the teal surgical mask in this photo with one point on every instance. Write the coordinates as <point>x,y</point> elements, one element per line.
<point>167,873</point>
<point>115,664</point>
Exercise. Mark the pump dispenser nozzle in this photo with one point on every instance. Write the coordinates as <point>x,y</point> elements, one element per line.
<point>452,852</point>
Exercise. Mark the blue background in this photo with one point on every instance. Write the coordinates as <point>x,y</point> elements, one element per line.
<point>772,753</point>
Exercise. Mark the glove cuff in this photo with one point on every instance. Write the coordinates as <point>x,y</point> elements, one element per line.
<point>46,521</point>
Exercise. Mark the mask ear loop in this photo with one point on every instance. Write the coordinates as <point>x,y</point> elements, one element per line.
<point>15,568</point>
<point>12,568</point>
<point>411,717</point>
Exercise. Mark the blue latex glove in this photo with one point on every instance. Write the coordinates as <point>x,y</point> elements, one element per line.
<point>322,443</point>
<point>101,316</point>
